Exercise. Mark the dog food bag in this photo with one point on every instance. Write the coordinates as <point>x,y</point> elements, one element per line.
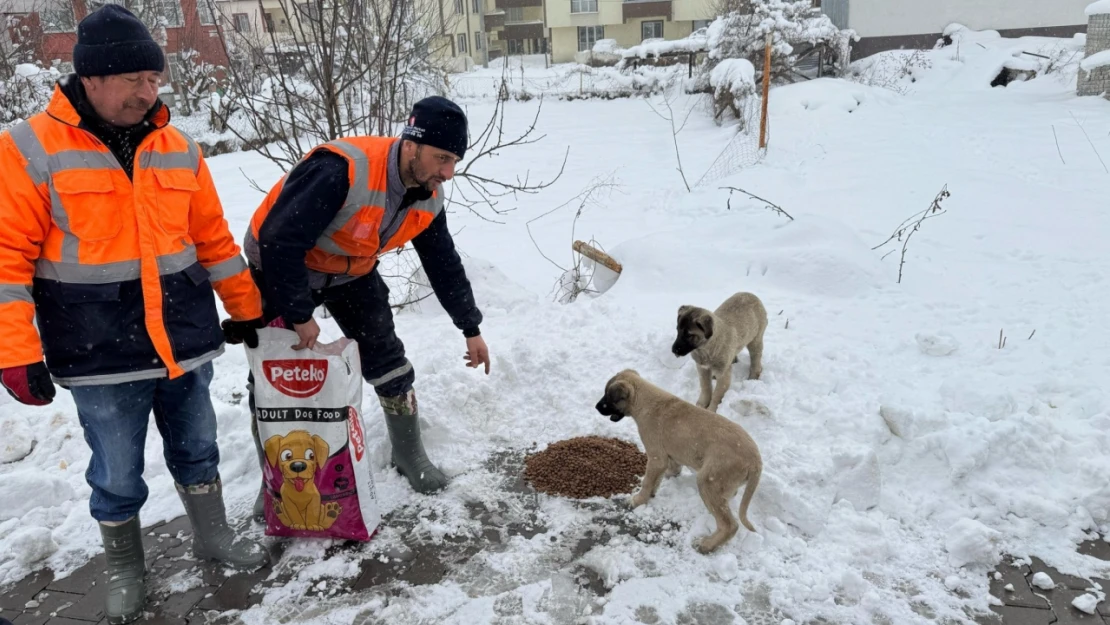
<point>308,405</point>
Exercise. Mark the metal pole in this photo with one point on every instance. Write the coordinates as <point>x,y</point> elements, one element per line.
<point>766,92</point>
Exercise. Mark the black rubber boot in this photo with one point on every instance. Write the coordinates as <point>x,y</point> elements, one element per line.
<point>123,548</point>
<point>212,538</point>
<point>403,421</point>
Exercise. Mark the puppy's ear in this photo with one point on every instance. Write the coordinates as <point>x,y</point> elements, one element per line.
<point>321,449</point>
<point>705,322</point>
<point>272,447</point>
<point>618,391</point>
<point>682,310</point>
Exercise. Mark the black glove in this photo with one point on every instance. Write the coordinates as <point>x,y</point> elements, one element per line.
<point>29,384</point>
<point>236,332</point>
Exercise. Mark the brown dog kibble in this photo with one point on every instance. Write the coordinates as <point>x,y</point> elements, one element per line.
<point>586,466</point>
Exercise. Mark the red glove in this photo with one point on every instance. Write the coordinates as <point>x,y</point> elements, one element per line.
<point>29,384</point>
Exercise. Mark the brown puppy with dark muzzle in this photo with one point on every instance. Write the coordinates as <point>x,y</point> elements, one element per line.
<point>677,433</point>
<point>715,339</point>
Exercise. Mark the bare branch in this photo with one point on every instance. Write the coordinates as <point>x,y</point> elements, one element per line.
<point>771,205</point>
<point>912,224</point>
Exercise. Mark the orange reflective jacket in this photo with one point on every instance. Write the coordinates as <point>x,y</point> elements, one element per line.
<point>353,241</point>
<point>117,273</point>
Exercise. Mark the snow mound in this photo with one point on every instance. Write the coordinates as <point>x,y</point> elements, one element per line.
<point>24,491</point>
<point>16,439</point>
<point>1043,581</point>
<point>936,344</point>
<point>1086,602</point>
<point>816,256</point>
<point>1095,61</point>
<point>980,395</point>
<point>1102,7</point>
<point>822,94</point>
<point>736,76</point>
<point>971,542</point>
<point>32,544</point>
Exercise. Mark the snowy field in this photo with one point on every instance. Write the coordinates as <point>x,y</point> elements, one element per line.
<point>904,451</point>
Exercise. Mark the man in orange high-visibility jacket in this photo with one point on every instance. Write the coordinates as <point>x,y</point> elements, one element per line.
<point>112,241</point>
<point>317,237</point>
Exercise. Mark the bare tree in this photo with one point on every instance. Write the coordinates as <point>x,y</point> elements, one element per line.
<point>325,69</point>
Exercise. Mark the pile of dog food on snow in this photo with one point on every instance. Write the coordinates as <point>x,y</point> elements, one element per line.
<point>586,466</point>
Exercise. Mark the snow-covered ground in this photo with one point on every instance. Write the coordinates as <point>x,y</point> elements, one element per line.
<point>904,451</point>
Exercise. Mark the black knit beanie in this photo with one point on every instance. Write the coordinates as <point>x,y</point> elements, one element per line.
<point>111,40</point>
<point>440,123</point>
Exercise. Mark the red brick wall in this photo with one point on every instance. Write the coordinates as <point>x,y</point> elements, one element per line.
<point>192,35</point>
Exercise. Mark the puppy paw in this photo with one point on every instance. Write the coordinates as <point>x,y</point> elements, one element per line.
<point>706,545</point>
<point>754,374</point>
<point>332,510</point>
<point>638,501</point>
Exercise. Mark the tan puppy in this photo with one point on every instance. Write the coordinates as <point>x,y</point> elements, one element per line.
<point>715,339</point>
<point>299,455</point>
<point>677,433</point>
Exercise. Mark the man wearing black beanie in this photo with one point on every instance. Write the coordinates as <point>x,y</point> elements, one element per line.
<point>317,237</point>
<point>113,247</point>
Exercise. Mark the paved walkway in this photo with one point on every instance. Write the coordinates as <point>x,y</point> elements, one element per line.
<point>78,599</point>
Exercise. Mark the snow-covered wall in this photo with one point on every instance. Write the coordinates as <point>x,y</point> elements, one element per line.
<point>1094,75</point>
<point>885,18</point>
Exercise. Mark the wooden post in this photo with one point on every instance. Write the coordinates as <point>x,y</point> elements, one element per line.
<point>766,92</point>
<point>596,255</point>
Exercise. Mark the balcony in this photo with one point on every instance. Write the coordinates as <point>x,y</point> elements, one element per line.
<point>512,4</point>
<point>523,30</point>
<point>646,8</point>
<point>495,20</point>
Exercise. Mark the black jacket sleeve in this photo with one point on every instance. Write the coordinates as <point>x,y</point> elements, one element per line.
<point>313,193</point>
<point>445,272</point>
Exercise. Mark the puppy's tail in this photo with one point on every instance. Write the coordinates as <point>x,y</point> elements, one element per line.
<point>749,490</point>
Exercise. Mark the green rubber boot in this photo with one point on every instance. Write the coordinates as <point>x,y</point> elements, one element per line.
<point>212,538</point>
<point>403,421</point>
<point>123,548</point>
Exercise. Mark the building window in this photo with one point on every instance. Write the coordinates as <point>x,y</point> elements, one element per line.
<point>205,13</point>
<point>583,6</point>
<point>516,46</point>
<point>242,22</point>
<point>588,36</point>
<point>462,42</point>
<point>699,24</point>
<point>268,23</point>
<point>460,7</point>
<point>150,11</point>
<point>477,6</point>
<point>651,30</point>
<point>57,17</point>
<point>477,40</point>
<point>514,14</point>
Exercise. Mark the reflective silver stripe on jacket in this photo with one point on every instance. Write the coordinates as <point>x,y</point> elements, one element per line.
<point>15,293</point>
<point>84,273</point>
<point>132,376</point>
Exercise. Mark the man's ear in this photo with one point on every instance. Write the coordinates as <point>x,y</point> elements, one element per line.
<point>272,447</point>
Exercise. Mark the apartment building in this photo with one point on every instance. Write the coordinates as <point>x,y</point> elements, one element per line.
<point>478,31</point>
<point>261,18</point>
<point>48,28</point>
<point>576,25</point>
<point>892,24</point>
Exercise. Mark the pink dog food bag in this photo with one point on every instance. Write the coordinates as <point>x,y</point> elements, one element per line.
<point>309,413</point>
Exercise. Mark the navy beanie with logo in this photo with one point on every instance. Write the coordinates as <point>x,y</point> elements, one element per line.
<point>111,40</point>
<point>438,122</point>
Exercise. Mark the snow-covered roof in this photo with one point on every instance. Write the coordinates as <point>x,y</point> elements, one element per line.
<point>1102,7</point>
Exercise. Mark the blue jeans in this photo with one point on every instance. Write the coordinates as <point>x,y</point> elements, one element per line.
<point>115,419</point>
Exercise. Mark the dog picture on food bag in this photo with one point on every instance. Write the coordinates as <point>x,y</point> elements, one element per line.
<point>299,455</point>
